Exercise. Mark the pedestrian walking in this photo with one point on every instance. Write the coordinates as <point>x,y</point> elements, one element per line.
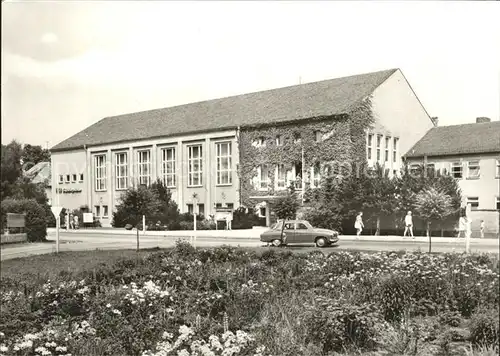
<point>468,228</point>
<point>481,228</point>
<point>66,221</point>
<point>461,226</point>
<point>75,222</point>
<point>358,225</point>
<point>408,224</point>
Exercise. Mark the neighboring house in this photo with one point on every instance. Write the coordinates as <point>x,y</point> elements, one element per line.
<point>471,154</point>
<point>231,151</point>
<point>40,173</point>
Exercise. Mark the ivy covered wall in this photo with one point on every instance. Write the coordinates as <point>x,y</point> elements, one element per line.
<point>343,141</point>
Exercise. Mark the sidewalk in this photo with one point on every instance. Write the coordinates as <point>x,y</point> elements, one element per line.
<point>254,234</point>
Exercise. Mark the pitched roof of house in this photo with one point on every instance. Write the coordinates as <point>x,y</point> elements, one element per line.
<point>458,139</point>
<point>39,173</point>
<point>317,99</point>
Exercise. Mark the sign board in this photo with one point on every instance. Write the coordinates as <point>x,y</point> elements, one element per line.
<point>223,214</point>
<point>56,210</point>
<point>15,220</point>
<point>88,218</point>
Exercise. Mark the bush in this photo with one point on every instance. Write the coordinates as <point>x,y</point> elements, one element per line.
<point>337,327</point>
<point>484,327</point>
<point>35,217</point>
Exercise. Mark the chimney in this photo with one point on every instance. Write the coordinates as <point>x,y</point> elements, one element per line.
<point>435,120</point>
<point>481,120</point>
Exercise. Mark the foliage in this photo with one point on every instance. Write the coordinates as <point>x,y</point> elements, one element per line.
<point>283,303</point>
<point>243,219</point>
<point>10,166</point>
<point>35,217</point>
<point>168,211</point>
<point>33,155</point>
<point>287,205</point>
<point>433,205</point>
<point>135,203</point>
<point>484,328</point>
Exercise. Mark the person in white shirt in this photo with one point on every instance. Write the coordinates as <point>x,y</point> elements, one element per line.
<point>358,224</point>
<point>461,226</point>
<point>408,224</point>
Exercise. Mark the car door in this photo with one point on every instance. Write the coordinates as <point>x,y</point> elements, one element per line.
<point>290,232</point>
<point>303,234</point>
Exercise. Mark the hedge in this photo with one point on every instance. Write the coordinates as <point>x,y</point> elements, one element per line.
<point>35,220</point>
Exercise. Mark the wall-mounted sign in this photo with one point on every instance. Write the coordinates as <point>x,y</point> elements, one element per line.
<point>68,191</point>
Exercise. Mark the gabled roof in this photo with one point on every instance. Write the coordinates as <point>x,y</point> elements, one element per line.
<point>39,173</point>
<point>458,139</point>
<point>312,100</point>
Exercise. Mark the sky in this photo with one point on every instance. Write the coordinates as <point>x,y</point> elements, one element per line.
<point>66,65</point>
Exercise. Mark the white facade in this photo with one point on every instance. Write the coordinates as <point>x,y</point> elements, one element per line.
<point>205,164</point>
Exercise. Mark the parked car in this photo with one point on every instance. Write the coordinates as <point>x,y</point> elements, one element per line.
<point>299,232</point>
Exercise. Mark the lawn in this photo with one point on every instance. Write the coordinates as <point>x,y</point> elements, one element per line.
<point>234,301</point>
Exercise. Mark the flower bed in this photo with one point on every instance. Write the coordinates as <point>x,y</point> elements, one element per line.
<point>228,301</point>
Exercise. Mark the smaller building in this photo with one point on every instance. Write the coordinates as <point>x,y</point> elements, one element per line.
<point>471,154</point>
<point>40,173</point>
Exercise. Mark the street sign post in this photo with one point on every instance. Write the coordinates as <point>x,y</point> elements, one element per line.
<point>56,210</point>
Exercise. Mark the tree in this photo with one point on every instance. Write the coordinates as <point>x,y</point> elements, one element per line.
<point>10,167</point>
<point>287,205</point>
<point>32,155</point>
<point>378,195</point>
<point>433,205</point>
<point>135,203</point>
<point>168,210</point>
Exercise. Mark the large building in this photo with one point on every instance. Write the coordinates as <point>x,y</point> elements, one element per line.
<point>471,154</point>
<point>240,150</point>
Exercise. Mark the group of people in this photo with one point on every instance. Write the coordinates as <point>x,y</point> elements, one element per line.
<point>72,221</point>
<point>464,226</point>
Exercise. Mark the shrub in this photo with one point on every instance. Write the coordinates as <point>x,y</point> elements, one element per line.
<point>484,327</point>
<point>35,217</point>
<point>336,327</point>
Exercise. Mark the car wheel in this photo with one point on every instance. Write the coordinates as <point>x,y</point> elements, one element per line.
<point>321,242</point>
<point>277,243</point>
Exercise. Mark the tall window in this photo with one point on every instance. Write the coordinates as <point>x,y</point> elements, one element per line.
<point>195,166</point>
<point>104,211</point>
<point>369,146</point>
<point>81,177</point>
<point>100,173</point>
<point>379,148</point>
<point>280,176</point>
<point>263,176</point>
<point>474,202</point>
<point>168,166</point>
<point>144,165</point>
<point>317,136</point>
<point>223,153</point>
<point>121,170</point>
<point>97,210</point>
<point>296,137</point>
<point>316,174</point>
<point>473,170</point>
<point>387,144</point>
<point>457,170</point>
<point>61,179</point>
<point>498,169</point>
<point>395,142</point>
<point>498,203</point>
<point>279,140</point>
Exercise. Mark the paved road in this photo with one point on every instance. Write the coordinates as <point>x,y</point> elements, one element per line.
<point>104,241</point>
